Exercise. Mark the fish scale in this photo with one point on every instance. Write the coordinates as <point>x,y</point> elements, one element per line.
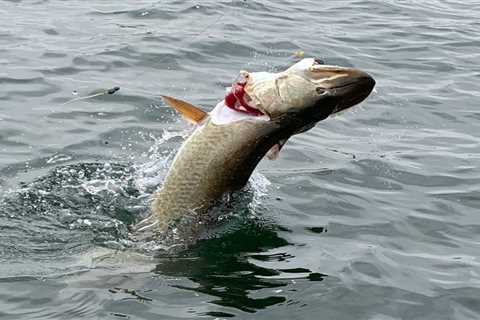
<point>212,161</point>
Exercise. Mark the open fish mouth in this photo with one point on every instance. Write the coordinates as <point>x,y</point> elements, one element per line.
<point>238,99</point>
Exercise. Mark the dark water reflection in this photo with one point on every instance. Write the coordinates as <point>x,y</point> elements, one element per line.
<point>226,269</point>
<point>220,267</point>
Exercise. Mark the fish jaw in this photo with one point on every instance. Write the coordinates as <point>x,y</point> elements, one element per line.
<point>296,98</point>
<point>307,89</point>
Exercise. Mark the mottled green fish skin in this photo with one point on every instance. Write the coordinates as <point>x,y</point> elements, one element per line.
<point>215,159</point>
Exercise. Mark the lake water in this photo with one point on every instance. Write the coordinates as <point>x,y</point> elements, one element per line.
<point>373,214</point>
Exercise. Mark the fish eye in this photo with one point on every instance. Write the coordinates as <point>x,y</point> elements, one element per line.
<point>320,91</point>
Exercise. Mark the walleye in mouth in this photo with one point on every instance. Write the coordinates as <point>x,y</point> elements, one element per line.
<point>259,113</point>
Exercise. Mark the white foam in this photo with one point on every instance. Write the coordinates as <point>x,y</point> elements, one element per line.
<point>151,173</point>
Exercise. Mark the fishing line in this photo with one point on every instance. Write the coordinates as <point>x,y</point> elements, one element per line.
<point>191,38</point>
<point>111,91</point>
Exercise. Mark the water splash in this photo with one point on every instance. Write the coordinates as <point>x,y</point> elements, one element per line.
<point>77,208</point>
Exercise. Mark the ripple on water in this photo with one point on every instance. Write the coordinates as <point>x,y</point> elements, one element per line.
<point>371,215</point>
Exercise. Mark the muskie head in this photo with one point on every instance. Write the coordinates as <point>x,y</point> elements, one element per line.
<point>306,93</point>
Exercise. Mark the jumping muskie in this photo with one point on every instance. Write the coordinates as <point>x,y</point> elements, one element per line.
<point>260,112</point>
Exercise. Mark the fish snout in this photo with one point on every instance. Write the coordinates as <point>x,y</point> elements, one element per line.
<point>348,86</point>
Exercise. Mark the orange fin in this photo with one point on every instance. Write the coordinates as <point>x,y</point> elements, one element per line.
<point>188,111</point>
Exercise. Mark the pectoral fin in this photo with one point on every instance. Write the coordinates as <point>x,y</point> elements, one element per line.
<point>274,151</point>
<point>187,110</point>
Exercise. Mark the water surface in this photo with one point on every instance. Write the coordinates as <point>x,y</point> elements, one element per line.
<point>373,214</point>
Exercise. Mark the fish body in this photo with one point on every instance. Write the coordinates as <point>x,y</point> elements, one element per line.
<point>215,159</point>
<point>220,155</point>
